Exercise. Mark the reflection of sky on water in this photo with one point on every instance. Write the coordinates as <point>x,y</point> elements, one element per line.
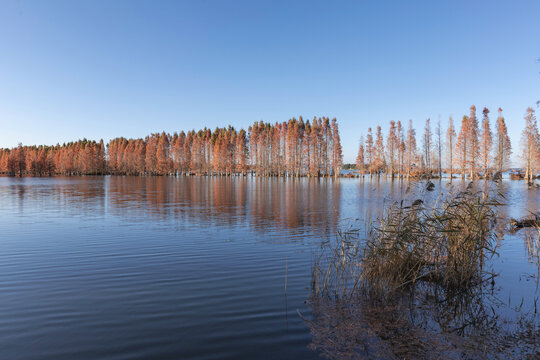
<point>194,266</point>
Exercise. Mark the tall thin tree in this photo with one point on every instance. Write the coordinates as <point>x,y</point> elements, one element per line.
<point>485,142</point>
<point>503,146</point>
<point>530,145</point>
<point>450,142</point>
<point>427,147</point>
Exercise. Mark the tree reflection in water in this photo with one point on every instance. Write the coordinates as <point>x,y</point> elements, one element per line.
<point>260,203</point>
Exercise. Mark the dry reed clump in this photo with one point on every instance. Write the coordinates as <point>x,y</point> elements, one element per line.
<point>337,268</point>
<point>446,243</point>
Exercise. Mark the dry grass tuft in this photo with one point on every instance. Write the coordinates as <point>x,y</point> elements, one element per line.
<point>446,243</point>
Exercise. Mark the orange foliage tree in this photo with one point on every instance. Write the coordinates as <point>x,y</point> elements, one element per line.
<point>486,142</point>
<point>502,143</point>
<point>530,145</point>
<point>292,148</point>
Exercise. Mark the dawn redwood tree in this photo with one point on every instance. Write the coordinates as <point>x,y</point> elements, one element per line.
<point>379,162</point>
<point>11,162</point>
<point>450,142</point>
<point>101,158</point>
<point>292,141</point>
<point>326,147</point>
<point>66,160</point>
<point>294,148</point>
<point>283,148</point>
<point>206,151</point>
<point>370,152</point>
<point>19,160</point>
<point>178,155</point>
<point>76,158</point>
<point>400,143</point>
<point>112,149</point>
<point>392,147</point>
<point>321,148</point>
<point>151,151</point>
<point>218,152</point>
<point>337,153</point>
<point>306,148</point>
<point>15,161</point>
<point>140,156</point>
<point>31,160</point>
<point>315,149</point>
<point>257,141</point>
<point>241,152</point>
<point>410,145</point>
<point>188,143</point>
<point>163,161</point>
<point>214,152</point>
<point>276,152</point>
<point>126,157</point>
<point>427,147</point>
<point>197,147</point>
<point>4,156</point>
<point>300,161</point>
<point>502,144</point>
<point>439,147</point>
<point>360,158</point>
<point>530,139</point>
<point>314,164</point>
<point>463,145</point>
<point>485,142</point>
<point>206,156</point>
<point>87,159</point>
<point>474,143</point>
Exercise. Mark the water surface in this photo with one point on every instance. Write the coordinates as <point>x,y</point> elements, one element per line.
<point>185,268</point>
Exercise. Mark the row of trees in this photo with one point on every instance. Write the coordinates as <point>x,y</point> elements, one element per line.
<point>293,148</point>
<point>76,158</point>
<point>474,151</point>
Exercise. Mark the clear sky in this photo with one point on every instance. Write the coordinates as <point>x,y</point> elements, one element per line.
<point>102,69</point>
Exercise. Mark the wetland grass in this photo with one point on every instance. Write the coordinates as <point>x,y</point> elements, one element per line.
<point>418,285</point>
<point>447,242</point>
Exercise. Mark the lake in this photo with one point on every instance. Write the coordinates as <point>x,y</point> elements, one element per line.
<point>189,267</point>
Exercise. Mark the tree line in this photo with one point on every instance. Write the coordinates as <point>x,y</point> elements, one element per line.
<point>293,148</point>
<point>476,151</point>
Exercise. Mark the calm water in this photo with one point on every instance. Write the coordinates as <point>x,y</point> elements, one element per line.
<point>187,268</point>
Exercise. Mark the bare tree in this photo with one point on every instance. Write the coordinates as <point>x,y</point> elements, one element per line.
<point>504,148</point>
<point>530,144</point>
<point>439,146</point>
<point>450,142</point>
<point>427,147</point>
<point>485,142</point>
<point>463,145</point>
<point>361,155</point>
<point>411,148</point>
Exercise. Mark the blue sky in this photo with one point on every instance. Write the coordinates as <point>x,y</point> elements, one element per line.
<point>102,69</point>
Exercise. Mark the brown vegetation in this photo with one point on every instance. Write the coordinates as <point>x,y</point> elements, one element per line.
<point>418,286</point>
<point>293,148</point>
<point>477,152</point>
